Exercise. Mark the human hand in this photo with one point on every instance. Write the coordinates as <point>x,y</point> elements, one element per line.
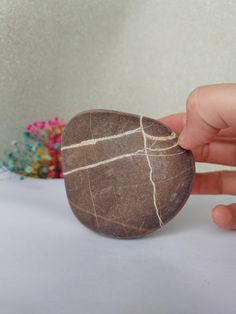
<point>208,128</point>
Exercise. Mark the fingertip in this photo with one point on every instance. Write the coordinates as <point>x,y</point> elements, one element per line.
<point>184,141</point>
<point>223,217</point>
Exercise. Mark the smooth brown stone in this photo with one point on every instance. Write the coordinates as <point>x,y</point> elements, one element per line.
<point>125,174</point>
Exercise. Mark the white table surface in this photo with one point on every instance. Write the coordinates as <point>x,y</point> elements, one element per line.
<point>51,263</point>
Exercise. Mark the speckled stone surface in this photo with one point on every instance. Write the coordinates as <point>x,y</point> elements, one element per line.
<point>125,175</point>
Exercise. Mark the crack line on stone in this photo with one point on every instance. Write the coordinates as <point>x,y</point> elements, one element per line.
<point>117,207</point>
<point>102,162</point>
<point>161,155</point>
<point>150,172</point>
<point>106,219</point>
<point>95,140</point>
<point>172,136</point>
<point>162,149</point>
<point>159,181</point>
<point>105,138</point>
<point>177,175</point>
<point>89,184</point>
<point>91,195</point>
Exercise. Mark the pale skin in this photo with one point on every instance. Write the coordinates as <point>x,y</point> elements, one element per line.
<point>208,129</point>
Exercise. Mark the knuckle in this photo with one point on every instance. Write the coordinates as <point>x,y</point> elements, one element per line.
<point>194,100</point>
<point>205,153</point>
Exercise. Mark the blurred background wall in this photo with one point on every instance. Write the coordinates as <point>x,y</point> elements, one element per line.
<point>60,57</point>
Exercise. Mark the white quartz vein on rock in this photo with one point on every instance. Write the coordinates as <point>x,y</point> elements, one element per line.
<point>150,173</point>
<point>107,219</point>
<point>139,152</point>
<point>162,149</point>
<point>105,138</point>
<point>161,155</point>
<point>172,136</point>
<point>102,162</point>
<point>91,195</point>
<point>110,137</point>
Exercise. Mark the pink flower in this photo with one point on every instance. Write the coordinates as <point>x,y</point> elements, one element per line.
<point>31,129</point>
<point>53,122</point>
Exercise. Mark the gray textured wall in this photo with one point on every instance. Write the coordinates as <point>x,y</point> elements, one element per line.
<point>61,57</point>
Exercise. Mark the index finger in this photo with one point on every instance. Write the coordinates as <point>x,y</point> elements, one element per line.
<point>176,123</point>
<point>209,109</point>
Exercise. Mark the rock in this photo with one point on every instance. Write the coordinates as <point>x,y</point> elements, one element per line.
<point>125,175</point>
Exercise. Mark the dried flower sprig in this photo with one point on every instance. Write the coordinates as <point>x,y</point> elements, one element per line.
<point>39,153</point>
